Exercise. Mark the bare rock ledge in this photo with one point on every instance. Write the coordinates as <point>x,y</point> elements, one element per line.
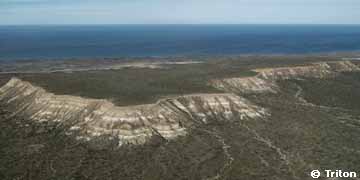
<point>265,80</point>
<point>168,118</point>
<point>133,124</point>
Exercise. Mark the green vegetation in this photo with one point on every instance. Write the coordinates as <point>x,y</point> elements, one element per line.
<point>342,91</point>
<point>132,86</point>
<point>287,145</point>
<point>136,86</point>
<point>295,139</point>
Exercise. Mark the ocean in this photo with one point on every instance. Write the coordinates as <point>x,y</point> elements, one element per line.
<point>114,41</point>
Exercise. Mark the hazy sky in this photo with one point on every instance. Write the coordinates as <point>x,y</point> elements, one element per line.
<point>179,11</point>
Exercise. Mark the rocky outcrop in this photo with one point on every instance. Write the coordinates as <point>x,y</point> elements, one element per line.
<point>265,80</point>
<point>167,118</point>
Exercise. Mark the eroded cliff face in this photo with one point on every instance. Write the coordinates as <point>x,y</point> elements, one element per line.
<point>265,81</point>
<point>167,118</point>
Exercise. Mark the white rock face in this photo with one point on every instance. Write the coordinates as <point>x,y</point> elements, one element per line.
<point>265,80</point>
<point>168,118</point>
<point>249,84</point>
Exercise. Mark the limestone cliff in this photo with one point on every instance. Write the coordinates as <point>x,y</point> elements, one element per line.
<point>265,80</point>
<point>167,118</point>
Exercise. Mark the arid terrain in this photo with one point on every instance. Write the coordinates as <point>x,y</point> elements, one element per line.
<point>251,117</point>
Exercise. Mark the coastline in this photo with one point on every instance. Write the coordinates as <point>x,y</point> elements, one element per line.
<point>155,62</point>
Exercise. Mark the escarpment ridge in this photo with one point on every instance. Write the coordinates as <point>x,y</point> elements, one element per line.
<point>168,118</point>
<point>265,80</point>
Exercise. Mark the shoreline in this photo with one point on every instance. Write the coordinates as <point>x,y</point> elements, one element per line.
<point>70,65</point>
<point>184,56</point>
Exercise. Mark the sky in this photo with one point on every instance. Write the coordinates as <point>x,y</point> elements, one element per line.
<point>179,12</point>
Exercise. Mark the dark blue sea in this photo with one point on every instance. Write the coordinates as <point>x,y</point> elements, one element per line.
<point>111,41</point>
